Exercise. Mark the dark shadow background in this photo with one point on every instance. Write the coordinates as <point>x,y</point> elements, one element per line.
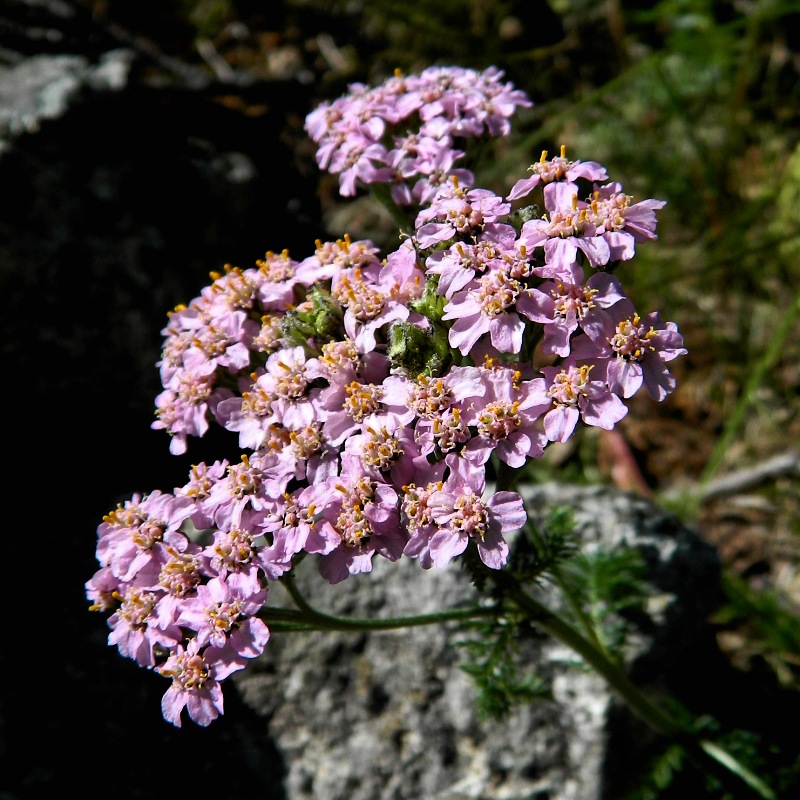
<point>111,216</point>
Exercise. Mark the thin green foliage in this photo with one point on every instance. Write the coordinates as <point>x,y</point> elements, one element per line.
<point>660,775</point>
<point>605,585</point>
<point>493,650</point>
<point>494,664</point>
<point>673,774</point>
<point>535,554</point>
<point>543,547</point>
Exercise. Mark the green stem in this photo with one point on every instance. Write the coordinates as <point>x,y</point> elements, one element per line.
<point>655,717</point>
<point>308,618</point>
<point>585,620</point>
<point>572,601</point>
<point>507,479</point>
<point>723,757</point>
<point>543,617</point>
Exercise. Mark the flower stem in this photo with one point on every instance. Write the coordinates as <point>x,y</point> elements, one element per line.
<point>543,617</point>
<point>718,760</point>
<point>308,618</point>
<point>572,601</point>
<point>723,763</point>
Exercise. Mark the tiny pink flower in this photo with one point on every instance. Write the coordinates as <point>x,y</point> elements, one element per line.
<point>574,395</point>
<point>637,349</point>
<point>486,305</point>
<point>621,223</point>
<point>295,523</point>
<point>505,419</point>
<point>428,396</point>
<point>386,448</point>
<point>100,589</point>
<point>565,229</point>
<point>130,538</point>
<point>461,515</point>
<point>196,677</point>
<point>557,169</point>
<point>464,261</point>
<point>365,514</point>
<point>455,212</point>
<point>564,304</point>
<point>136,629</point>
<point>222,615</point>
<point>417,513</point>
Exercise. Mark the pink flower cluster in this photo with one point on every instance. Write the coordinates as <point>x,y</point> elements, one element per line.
<point>375,397</point>
<point>405,132</point>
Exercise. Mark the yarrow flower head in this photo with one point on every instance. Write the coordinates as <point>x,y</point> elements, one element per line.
<point>378,399</point>
<point>364,136</point>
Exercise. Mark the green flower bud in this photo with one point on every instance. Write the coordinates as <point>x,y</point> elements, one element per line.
<point>521,216</point>
<point>430,304</point>
<point>318,319</point>
<point>419,351</point>
<point>328,314</point>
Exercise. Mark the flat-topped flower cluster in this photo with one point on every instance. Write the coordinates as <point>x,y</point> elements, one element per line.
<point>404,132</point>
<point>374,395</point>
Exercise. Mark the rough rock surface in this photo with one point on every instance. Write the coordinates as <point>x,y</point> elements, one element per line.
<point>43,87</point>
<point>391,715</point>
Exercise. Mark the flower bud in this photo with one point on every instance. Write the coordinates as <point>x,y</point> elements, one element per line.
<point>419,351</point>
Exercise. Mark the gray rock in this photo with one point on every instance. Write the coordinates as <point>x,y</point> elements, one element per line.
<point>391,715</point>
<point>43,87</point>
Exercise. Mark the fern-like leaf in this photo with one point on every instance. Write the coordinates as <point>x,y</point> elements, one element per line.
<point>493,662</point>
